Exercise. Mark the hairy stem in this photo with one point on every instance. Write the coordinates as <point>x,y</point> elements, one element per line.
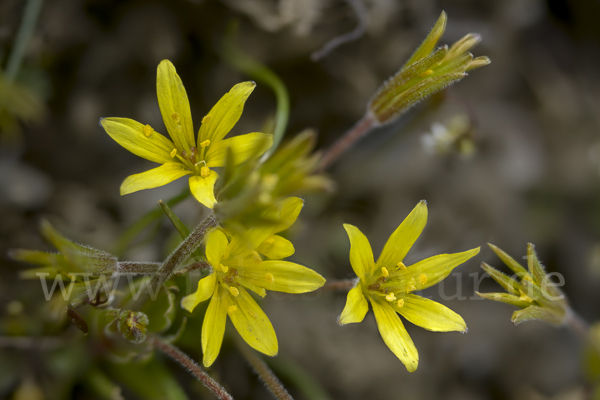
<point>182,252</point>
<point>343,284</point>
<point>185,361</point>
<point>362,127</point>
<point>264,372</point>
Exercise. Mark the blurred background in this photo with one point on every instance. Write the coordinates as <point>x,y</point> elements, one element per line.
<point>523,165</point>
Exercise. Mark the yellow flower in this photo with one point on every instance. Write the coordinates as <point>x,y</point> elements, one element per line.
<point>388,284</point>
<point>184,155</point>
<point>238,266</point>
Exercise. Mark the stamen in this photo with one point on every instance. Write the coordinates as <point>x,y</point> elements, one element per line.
<point>234,291</point>
<point>412,282</point>
<point>231,309</point>
<point>269,277</point>
<point>173,153</point>
<point>400,303</point>
<point>390,297</point>
<point>205,143</point>
<point>411,288</point>
<point>206,119</point>
<point>148,130</point>
<point>401,265</point>
<point>176,117</point>
<point>423,279</point>
<point>270,241</point>
<point>224,268</point>
<point>384,272</point>
<point>204,172</point>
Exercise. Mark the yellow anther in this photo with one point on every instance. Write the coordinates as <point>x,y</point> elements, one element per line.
<point>224,268</point>
<point>411,288</point>
<point>173,153</point>
<point>205,143</point>
<point>270,240</point>
<point>176,117</point>
<point>423,279</point>
<point>206,119</point>
<point>234,291</point>
<point>269,277</point>
<point>401,265</point>
<point>384,272</point>
<point>231,309</point>
<point>390,297</point>
<point>425,73</point>
<point>148,130</point>
<point>412,282</point>
<point>204,172</point>
<point>400,303</point>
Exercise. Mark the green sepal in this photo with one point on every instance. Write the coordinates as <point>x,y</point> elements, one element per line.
<point>554,317</point>
<point>505,281</point>
<point>505,298</point>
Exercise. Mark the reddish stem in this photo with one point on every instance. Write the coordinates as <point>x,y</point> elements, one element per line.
<point>362,127</point>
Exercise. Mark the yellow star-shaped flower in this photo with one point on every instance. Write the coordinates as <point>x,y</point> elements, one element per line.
<point>184,155</point>
<point>388,284</point>
<point>238,266</point>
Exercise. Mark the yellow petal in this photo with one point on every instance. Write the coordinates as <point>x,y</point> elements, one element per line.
<point>283,215</point>
<point>404,236</point>
<point>216,247</point>
<point>361,255</point>
<point>394,334</point>
<point>283,276</point>
<point>213,327</point>
<point>430,315</point>
<point>130,134</point>
<point>203,189</point>
<point>276,247</point>
<point>206,288</point>
<point>253,324</point>
<point>174,106</point>
<point>242,148</point>
<point>435,269</point>
<point>153,178</point>
<point>225,114</point>
<point>356,307</point>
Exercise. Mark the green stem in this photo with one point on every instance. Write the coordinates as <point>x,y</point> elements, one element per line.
<point>255,70</point>
<point>264,372</point>
<point>185,361</point>
<point>30,17</point>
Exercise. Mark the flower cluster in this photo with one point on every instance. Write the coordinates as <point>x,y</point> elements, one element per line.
<point>529,289</point>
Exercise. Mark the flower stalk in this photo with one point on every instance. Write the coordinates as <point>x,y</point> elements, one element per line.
<point>361,129</point>
<point>183,251</point>
<point>265,373</point>
<point>185,361</point>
